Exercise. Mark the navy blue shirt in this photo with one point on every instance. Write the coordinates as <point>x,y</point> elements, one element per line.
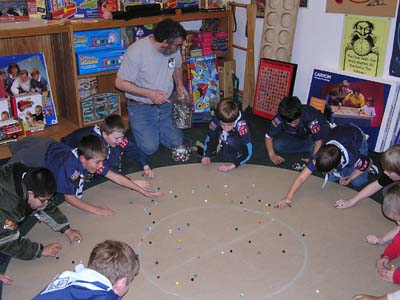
<point>348,139</point>
<point>312,122</point>
<point>114,153</point>
<point>236,144</point>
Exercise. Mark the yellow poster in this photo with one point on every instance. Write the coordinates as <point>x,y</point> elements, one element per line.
<point>364,45</point>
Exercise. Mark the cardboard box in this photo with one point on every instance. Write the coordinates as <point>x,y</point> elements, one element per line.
<point>99,61</point>
<point>94,40</point>
<point>226,68</point>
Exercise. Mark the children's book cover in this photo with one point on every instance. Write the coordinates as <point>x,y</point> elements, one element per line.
<point>37,81</point>
<point>203,76</point>
<point>367,102</point>
<point>28,108</point>
<point>363,49</point>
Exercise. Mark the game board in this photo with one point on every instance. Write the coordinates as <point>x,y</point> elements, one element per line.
<point>218,236</point>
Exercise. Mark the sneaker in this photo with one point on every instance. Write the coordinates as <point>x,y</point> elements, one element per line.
<point>374,170</point>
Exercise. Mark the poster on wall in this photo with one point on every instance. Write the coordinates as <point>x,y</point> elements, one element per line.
<point>377,8</point>
<point>394,68</point>
<point>364,101</point>
<point>363,48</point>
<point>27,74</point>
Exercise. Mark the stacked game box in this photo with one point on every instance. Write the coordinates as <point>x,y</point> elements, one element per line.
<point>202,41</point>
<point>98,107</point>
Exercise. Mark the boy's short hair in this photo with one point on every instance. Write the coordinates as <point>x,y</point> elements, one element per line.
<point>391,200</point>
<point>92,146</point>
<point>41,182</point>
<point>112,124</point>
<point>168,30</point>
<point>390,160</point>
<point>328,158</point>
<point>227,111</point>
<point>290,109</point>
<point>115,260</point>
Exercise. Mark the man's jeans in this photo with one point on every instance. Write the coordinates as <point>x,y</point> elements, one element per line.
<point>152,125</point>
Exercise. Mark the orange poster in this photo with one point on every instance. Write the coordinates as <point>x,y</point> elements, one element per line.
<point>375,8</point>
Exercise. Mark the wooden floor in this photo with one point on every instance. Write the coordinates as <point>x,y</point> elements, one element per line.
<point>55,131</point>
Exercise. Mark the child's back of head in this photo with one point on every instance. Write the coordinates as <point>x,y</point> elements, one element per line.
<point>391,201</point>
<point>290,109</point>
<point>92,146</point>
<point>112,124</point>
<point>115,260</point>
<point>328,158</point>
<point>227,111</point>
<point>390,160</point>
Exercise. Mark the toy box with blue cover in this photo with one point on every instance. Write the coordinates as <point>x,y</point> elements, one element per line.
<point>93,40</point>
<point>203,81</point>
<point>99,61</point>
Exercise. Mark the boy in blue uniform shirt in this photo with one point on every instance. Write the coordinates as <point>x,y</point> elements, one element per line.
<point>72,166</point>
<point>343,158</point>
<point>229,132</point>
<point>112,133</point>
<point>296,128</point>
<point>111,269</point>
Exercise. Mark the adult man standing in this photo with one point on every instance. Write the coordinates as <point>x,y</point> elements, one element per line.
<point>147,75</point>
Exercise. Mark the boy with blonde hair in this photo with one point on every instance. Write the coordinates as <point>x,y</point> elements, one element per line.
<point>111,269</point>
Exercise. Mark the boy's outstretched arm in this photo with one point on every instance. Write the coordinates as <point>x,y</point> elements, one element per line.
<point>81,204</point>
<point>369,297</point>
<point>130,184</point>
<point>367,191</point>
<point>294,187</point>
<point>373,239</point>
<point>317,145</point>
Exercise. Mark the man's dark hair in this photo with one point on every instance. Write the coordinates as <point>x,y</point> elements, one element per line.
<point>328,158</point>
<point>168,30</point>
<point>41,182</point>
<point>290,109</point>
<point>92,146</point>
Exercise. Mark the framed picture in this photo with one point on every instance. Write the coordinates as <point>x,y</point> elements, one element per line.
<point>275,81</point>
<point>368,102</point>
<point>260,8</point>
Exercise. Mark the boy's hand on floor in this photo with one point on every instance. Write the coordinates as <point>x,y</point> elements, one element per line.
<point>368,297</point>
<point>373,239</point>
<point>343,203</point>
<point>5,279</point>
<point>149,172</point>
<point>276,159</point>
<point>51,249</point>
<point>226,168</point>
<point>152,194</point>
<point>285,202</point>
<point>144,184</point>
<point>345,180</point>
<point>205,161</point>
<point>73,235</point>
<point>103,211</point>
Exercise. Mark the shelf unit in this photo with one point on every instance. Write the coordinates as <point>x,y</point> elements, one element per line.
<point>55,40</point>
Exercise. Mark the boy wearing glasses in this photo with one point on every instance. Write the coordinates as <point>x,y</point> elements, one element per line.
<point>296,128</point>
<point>111,269</point>
<point>25,192</point>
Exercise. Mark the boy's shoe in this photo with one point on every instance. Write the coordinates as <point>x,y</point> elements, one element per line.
<point>374,170</point>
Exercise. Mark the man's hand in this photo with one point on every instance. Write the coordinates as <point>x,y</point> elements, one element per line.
<point>51,249</point>
<point>73,236</point>
<point>343,203</point>
<point>285,202</point>
<point>276,159</point>
<point>205,161</point>
<point>103,211</point>
<point>5,279</point>
<point>158,97</point>
<point>226,168</point>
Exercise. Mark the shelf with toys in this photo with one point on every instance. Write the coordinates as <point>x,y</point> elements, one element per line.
<point>55,39</point>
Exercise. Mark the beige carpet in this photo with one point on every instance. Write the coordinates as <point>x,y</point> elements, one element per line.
<point>216,236</point>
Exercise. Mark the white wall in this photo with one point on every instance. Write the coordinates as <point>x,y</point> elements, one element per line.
<point>317,43</point>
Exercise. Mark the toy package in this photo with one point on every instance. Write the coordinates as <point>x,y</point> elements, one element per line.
<point>203,82</point>
<point>14,11</point>
<point>98,107</point>
<point>99,61</point>
<point>100,39</point>
<point>87,87</point>
<point>28,109</point>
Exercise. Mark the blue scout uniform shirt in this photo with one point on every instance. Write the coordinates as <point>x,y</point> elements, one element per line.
<point>348,139</point>
<point>312,122</point>
<point>83,284</point>
<point>114,153</point>
<point>236,144</point>
<point>64,163</point>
